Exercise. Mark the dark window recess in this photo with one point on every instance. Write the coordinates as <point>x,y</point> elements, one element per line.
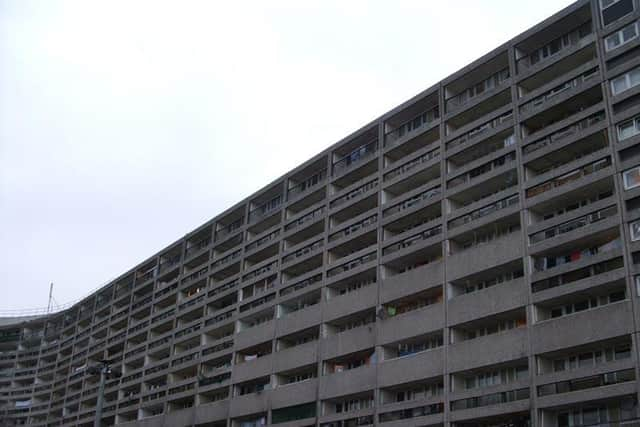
<point>293,413</point>
<point>616,11</point>
<point>627,104</point>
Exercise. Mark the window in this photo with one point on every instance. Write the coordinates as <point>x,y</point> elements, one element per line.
<point>634,228</point>
<point>625,81</point>
<point>631,178</point>
<point>587,304</point>
<point>510,140</point>
<point>628,128</point>
<point>612,10</point>
<point>621,37</point>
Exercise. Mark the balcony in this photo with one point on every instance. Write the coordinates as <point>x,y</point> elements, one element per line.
<point>568,178</point>
<point>477,133</point>
<point>296,356</point>
<point>352,340</point>
<point>502,398</point>
<point>489,350</point>
<point>350,302</point>
<point>356,193</point>
<point>586,383</point>
<point>301,284</point>
<point>351,265</point>
<point>294,394</point>
<point>485,211</point>
<point>430,195</point>
<point>306,250</point>
<point>348,382</point>
<point>583,327</point>
<point>225,230</point>
<point>306,315</point>
<point>600,272</point>
<point>574,224</point>
<point>423,238</point>
<point>564,90</point>
<point>569,41</point>
<point>557,137</point>
<point>496,252</point>
<point>307,219</point>
<point>481,170</point>
<point>226,260</point>
<point>415,164</point>
<point>492,83</point>
<point>248,370</point>
<point>411,324</point>
<point>426,364</point>
<point>412,281</point>
<point>498,298</point>
<point>266,209</point>
<point>306,184</point>
<point>411,127</point>
<point>355,157</point>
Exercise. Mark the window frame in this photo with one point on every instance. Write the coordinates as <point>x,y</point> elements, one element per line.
<point>634,234</point>
<point>626,77</point>
<point>635,126</point>
<point>620,35</point>
<point>613,2</point>
<point>624,178</point>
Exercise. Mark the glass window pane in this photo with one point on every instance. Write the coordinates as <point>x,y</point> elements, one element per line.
<point>631,178</point>
<point>626,130</point>
<point>634,77</point>
<point>612,41</point>
<point>619,84</point>
<point>635,230</point>
<point>629,32</point>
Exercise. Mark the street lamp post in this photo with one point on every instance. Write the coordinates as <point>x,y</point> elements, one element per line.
<point>105,371</point>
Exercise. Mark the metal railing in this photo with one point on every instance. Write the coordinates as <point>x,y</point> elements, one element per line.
<point>494,81</point>
<point>419,121</point>
<point>309,182</point>
<point>356,156</point>
<point>555,47</point>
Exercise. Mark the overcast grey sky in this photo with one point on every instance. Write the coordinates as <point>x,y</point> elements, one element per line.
<point>126,124</point>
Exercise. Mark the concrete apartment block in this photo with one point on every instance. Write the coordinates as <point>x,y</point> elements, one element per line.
<point>471,259</point>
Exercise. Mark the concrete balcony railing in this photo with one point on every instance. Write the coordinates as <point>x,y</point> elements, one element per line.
<point>312,181</point>
<point>250,404</point>
<point>423,320</point>
<point>298,320</point>
<point>425,160</point>
<point>492,84</point>
<point>348,382</point>
<point>293,357</point>
<point>576,38</point>
<point>266,209</point>
<point>412,126</point>
<point>294,394</point>
<point>481,131</point>
<point>584,327</point>
<point>351,302</point>
<point>496,252</point>
<point>499,298</point>
<point>426,364</point>
<point>357,156</point>
<point>564,134</point>
<point>412,281</point>
<point>206,412</point>
<point>351,341</point>
<point>253,368</point>
<point>488,350</point>
<point>563,91</point>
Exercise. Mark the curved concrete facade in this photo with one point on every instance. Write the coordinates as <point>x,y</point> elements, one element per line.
<point>470,258</point>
